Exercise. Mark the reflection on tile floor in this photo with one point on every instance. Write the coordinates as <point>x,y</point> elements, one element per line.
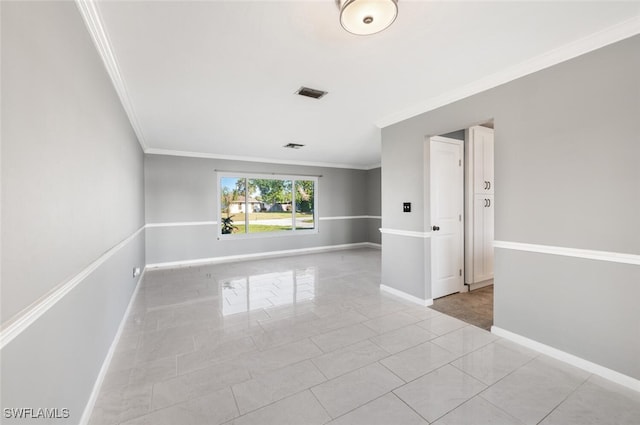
<point>312,340</point>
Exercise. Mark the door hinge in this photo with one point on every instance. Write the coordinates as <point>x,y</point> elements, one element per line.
<point>460,272</point>
<point>459,217</point>
<point>459,163</point>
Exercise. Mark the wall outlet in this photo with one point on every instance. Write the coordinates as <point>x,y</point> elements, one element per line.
<point>136,271</point>
<point>406,207</point>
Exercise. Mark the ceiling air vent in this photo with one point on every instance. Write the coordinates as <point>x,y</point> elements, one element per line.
<point>293,145</point>
<point>306,91</point>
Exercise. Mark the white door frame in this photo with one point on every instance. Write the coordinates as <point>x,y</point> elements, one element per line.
<point>460,222</point>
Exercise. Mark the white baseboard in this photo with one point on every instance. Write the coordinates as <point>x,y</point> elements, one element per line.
<point>405,296</point>
<point>259,255</point>
<point>576,361</point>
<point>93,397</point>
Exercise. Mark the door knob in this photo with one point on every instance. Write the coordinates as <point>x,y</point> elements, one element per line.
<point>435,228</point>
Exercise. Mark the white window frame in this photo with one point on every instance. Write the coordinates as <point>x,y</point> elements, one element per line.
<point>293,232</point>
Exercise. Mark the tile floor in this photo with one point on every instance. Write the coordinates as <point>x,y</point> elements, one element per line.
<point>312,340</point>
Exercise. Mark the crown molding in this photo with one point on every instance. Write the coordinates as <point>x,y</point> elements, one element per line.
<point>91,16</point>
<point>169,152</point>
<point>568,51</point>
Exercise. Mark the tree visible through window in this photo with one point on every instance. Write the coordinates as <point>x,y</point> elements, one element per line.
<point>252,204</point>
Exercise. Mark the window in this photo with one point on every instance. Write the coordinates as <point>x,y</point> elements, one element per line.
<point>266,205</point>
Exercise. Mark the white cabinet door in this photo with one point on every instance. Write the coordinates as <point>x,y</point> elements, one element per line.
<point>481,145</point>
<point>482,238</point>
<point>479,211</point>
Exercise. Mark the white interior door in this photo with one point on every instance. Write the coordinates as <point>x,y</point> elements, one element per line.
<point>447,237</point>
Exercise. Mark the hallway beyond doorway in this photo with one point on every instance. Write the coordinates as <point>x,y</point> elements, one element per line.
<point>475,307</point>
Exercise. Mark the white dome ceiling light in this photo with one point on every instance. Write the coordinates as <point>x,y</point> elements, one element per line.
<point>365,17</point>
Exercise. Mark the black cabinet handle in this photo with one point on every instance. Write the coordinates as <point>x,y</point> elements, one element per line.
<point>489,201</point>
<point>435,228</point>
<point>489,183</point>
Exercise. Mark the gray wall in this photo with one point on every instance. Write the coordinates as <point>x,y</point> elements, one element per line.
<point>180,189</point>
<point>72,188</point>
<point>567,175</point>
<point>374,204</point>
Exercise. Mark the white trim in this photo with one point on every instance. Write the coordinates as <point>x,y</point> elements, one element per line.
<point>182,223</point>
<point>405,296</point>
<point>410,233</point>
<point>21,321</point>
<point>91,16</point>
<point>615,257</point>
<point>170,152</point>
<point>576,361</point>
<point>350,217</point>
<point>257,255</point>
<point>571,50</point>
<point>88,409</point>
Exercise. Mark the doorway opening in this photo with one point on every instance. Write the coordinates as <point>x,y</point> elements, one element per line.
<point>474,302</point>
<point>474,307</point>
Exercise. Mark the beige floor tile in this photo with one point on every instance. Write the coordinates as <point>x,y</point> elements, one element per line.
<point>492,362</point>
<point>477,411</point>
<point>347,392</point>
<point>197,383</point>
<point>401,339</point>
<point>390,322</point>
<point>464,340</point>
<point>385,410</point>
<point>276,385</point>
<point>342,337</point>
<point>441,324</point>
<point>211,409</point>
<point>535,389</point>
<point>349,358</point>
<point>301,408</point>
<point>259,362</point>
<point>439,392</point>
<point>597,402</point>
<point>417,361</point>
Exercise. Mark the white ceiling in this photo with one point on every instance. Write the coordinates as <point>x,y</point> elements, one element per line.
<point>217,78</point>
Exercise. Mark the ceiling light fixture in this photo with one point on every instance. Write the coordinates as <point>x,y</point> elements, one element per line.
<point>365,17</point>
